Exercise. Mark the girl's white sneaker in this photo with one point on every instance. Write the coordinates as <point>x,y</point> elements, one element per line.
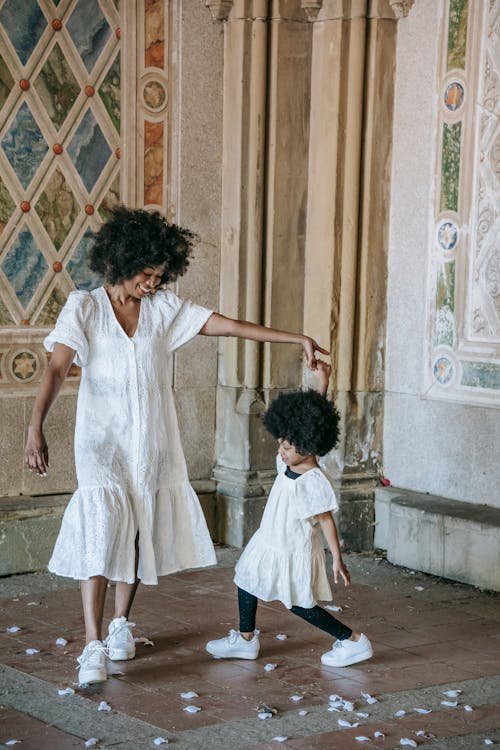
<point>347,652</point>
<point>92,664</point>
<point>234,646</point>
<point>120,641</point>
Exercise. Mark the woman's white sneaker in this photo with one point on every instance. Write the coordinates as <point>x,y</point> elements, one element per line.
<point>92,664</point>
<point>234,646</point>
<point>120,641</point>
<point>347,652</point>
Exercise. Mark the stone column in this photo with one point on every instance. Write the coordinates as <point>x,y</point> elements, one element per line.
<point>347,222</point>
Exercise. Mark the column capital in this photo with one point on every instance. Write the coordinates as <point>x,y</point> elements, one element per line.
<point>220,9</point>
<point>401,8</point>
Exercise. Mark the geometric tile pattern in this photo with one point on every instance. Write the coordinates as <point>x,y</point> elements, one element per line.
<point>464,356</point>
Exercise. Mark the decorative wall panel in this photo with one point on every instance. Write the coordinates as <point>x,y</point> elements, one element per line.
<point>464,355</point>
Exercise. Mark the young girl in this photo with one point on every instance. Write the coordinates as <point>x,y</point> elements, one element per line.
<point>134,515</point>
<point>285,559</point>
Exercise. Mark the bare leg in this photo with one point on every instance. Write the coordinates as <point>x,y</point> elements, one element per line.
<point>125,592</point>
<point>93,594</point>
<point>124,597</point>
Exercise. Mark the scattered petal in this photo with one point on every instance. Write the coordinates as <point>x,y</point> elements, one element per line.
<point>335,697</point>
<point>423,710</point>
<point>425,735</point>
<point>14,629</point>
<point>61,642</point>
<point>348,705</point>
<point>369,698</point>
<point>296,697</point>
<point>407,741</point>
<point>13,742</point>
<point>468,708</point>
<point>256,631</point>
<point>379,735</point>
<point>191,709</point>
<point>362,738</point>
<point>333,608</point>
<point>419,588</point>
<point>270,667</point>
<point>453,693</point>
<point>143,640</point>
<point>450,704</point>
<point>32,651</point>
<point>488,742</point>
<point>103,706</point>
<point>344,723</point>
<point>401,712</point>
<point>281,637</point>
<point>336,705</point>
<point>303,712</point>
<point>280,738</point>
<point>160,741</point>
<point>33,604</point>
<point>191,694</point>
<point>265,715</point>
<point>92,742</point>
<point>66,691</point>
<point>362,715</point>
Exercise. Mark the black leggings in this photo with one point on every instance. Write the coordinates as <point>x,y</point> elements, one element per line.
<point>317,616</point>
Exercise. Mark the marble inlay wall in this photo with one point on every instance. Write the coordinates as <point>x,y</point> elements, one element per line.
<point>464,358</point>
<point>60,107</point>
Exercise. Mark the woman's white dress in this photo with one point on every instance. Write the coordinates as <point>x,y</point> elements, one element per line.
<point>285,558</point>
<point>132,475</point>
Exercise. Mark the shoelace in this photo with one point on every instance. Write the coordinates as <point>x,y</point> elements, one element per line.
<point>123,626</point>
<point>90,656</point>
<point>233,636</point>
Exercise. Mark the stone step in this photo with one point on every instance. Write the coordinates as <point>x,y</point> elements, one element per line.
<point>445,537</point>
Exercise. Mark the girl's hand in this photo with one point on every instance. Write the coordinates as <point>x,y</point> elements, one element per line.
<point>310,346</point>
<point>36,454</point>
<point>339,569</point>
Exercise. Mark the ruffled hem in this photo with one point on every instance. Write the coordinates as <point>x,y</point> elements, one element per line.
<point>100,525</point>
<point>296,579</point>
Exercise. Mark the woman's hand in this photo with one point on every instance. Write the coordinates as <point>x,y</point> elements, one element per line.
<point>36,454</point>
<point>310,346</point>
<point>339,569</point>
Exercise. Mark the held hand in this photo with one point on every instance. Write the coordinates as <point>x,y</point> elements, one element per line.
<point>36,454</point>
<point>340,569</point>
<point>310,346</point>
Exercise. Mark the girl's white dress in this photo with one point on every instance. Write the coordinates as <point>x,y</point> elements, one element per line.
<point>132,475</point>
<point>285,558</point>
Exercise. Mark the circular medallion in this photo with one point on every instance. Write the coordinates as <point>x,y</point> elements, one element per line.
<point>443,370</point>
<point>25,366</point>
<point>154,95</point>
<point>447,235</point>
<point>454,96</point>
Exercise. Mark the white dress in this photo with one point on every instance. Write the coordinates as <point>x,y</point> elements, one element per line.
<point>132,475</point>
<point>285,558</point>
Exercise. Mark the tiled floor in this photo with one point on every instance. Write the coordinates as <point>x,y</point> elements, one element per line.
<point>425,641</point>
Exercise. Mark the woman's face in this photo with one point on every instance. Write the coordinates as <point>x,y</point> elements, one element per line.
<point>145,283</point>
<point>289,455</point>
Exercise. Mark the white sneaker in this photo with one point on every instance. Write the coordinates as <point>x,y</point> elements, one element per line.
<point>347,652</point>
<point>234,646</point>
<point>92,664</point>
<point>120,641</point>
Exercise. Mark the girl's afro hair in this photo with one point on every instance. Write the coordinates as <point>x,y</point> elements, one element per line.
<point>306,419</point>
<point>133,239</point>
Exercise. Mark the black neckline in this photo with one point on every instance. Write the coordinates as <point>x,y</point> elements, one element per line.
<point>291,474</point>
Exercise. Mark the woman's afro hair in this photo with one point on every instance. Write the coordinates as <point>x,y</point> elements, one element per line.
<point>306,419</point>
<point>133,239</point>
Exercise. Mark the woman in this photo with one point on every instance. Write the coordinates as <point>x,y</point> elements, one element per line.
<point>134,515</point>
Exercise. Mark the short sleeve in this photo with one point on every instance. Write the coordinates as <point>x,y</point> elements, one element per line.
<point>314,494</point>
<point>183,318</point>
<point>72,326</point>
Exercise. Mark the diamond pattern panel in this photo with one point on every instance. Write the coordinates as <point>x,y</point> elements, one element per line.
<point>89,31</point>
<point>24,145</point>
<point>7,206</point>
<point>6,82</point>
<point>52,308</point>
<point>24,23</point>
<point>89,150</point>
<point>110,92</point>
<point>24,266</point>
<point>78,267</point>
<point>57,208</point>
<point>57,87</point>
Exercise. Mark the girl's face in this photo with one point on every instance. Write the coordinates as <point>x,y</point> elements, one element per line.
<point>289,455</point>
<point>145,283</point>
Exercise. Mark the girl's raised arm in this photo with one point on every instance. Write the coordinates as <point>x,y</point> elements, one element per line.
<point>219,325</point>
<point>36,454</point>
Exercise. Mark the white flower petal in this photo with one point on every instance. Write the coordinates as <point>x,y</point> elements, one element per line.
<point>379,735</point>
<point>160,741</point>
<point>296,698</point>
<point>14,629</point>
<point>190,694</point>
<point>408,742</point>
<point>92,742</point>
<point>66,691</point>
<point>401,712</point>
<point>61,642</point>
<point>191,709</point>
<point>32,651</point>
<point>362,738</point>
<point>270,667</point>
<point>265,715</point>
<point>453,693</point>
<point>103,706</point>
<point>281,637</point>
<point>303,712</point>
<point>280,738</point>
<point>450,704</point>
<point>423,710</point>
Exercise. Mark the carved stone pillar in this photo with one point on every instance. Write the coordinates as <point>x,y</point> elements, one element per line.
<point>347,222</point>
